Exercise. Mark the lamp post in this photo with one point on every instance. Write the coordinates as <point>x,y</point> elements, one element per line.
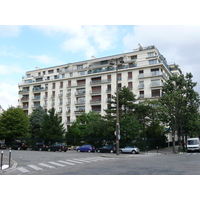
<point>117,104</point>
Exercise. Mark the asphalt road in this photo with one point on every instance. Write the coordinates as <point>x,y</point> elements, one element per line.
<point>74,163</point>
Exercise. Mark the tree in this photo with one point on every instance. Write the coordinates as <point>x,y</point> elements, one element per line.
<point>14,123</point>
<point>51,127</point>
<point>129,125</point>
<point>179,101</point>
<point>88,126</point>
<point>36,119</point>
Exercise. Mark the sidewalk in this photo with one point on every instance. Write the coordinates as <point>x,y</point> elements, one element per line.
<point>164,151</point>
<point>5,163</point>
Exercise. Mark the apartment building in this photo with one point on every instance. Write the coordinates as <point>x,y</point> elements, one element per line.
<point>87,85</point>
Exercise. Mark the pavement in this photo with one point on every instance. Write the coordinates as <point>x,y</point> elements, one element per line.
<point>154,151</point>
<point>13,164</point>
<point>5,163</point>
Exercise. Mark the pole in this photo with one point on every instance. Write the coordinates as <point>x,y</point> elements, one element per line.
<point>1,160</point>
<point>9,157</point>
<point>117,110</point>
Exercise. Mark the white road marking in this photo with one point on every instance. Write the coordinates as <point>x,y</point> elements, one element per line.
<point>23,170</point>
<point>58,164</point>
<point>83,160</point>
<point>75,161</point>
<point>46,165</point>
<point>35,167</point>
<point>68,163</point>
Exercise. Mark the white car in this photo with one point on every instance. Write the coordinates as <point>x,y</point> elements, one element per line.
<point>129,149</point>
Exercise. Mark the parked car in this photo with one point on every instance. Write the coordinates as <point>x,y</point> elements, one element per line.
<point>106,149</point>
<point>129,149</point>
<point>86,148</point>
<point>58,147</point>
<point>40,146</point>
<point>19,146</point>
<point>2,145</point>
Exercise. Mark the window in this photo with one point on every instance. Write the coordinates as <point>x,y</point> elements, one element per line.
<point>63,76</point>
<point>68,100</point>
<point>105,62</point>
<point>82,72</point>
<point>53,85</point>
<point>152,62</point>
<point>81,82</point>
<point>129,75</point>
<point>81,91</point>
<point>155,93</point>
<point>141,94</point>
<point>109,77</point>
<point>79,66</point>
<point>61,84</point>
<point>108,88</point>
<point>155,72</point>
<point>141,73</point>
<point>151,54</point>
<point>141,84</point>
<point>130,85</point>
<point>61,102</point>
<point>71,74</point>
<point>80,108</point>
<point>133,57</point>
<point>81,100</point>
<point>155,83</point>
<point>53,94</point>
<point>119,77</point>
<point>50,72</point>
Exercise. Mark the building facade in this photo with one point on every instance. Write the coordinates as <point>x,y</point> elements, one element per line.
<point>87,85</point>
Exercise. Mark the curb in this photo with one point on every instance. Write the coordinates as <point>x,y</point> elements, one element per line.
<point>13,166</point>
<point>117,156</point>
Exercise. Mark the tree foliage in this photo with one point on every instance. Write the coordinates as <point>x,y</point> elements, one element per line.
<point>14,123</point>
<point>36,118</point>
<point>180,101</point>
<point>51,126</point>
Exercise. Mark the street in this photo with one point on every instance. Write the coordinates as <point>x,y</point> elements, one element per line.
<point>74,163</point>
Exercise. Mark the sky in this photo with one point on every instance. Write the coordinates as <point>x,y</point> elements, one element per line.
<point>25,47</point>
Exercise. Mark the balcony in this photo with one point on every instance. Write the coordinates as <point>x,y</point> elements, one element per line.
<point>141,86</point>
<point>95,91</point>
<point>79,112</point>
<point>25,107</point>
<point>80,102</point>
<point>36,105</point>
<point>23,91</point>
<point>82,93</point>
<point>24,99</point>
<point>156,84</point>
<point>153,74</point>
<point>36,98</point>
<point>37,89</point>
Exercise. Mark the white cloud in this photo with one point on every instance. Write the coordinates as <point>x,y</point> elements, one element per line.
<point>87,39</point>
<point>8,95</point>
<point>9,31</point>
<point>178,44</point>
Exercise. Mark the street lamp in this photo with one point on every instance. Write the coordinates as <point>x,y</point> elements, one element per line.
<point>120,60</point>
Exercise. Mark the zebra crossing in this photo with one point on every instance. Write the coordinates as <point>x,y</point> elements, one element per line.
<point>59,163</point>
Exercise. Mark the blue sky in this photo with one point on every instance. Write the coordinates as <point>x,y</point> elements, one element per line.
<point>25,47</point>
